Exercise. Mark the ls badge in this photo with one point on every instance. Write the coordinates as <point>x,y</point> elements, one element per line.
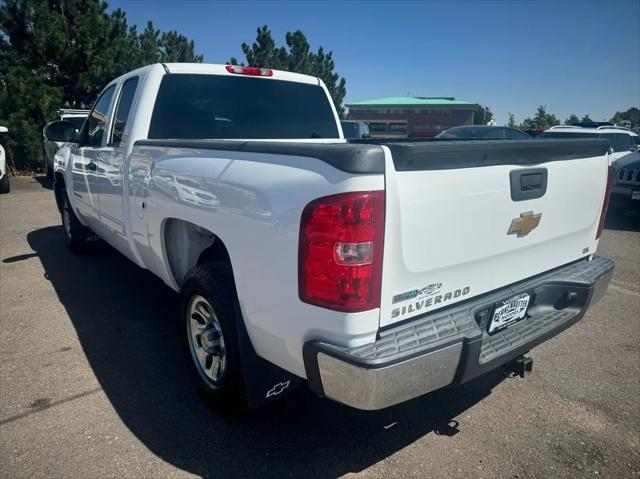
<point>525,224</point>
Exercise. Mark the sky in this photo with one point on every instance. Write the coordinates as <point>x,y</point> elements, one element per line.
<point>572,56</point>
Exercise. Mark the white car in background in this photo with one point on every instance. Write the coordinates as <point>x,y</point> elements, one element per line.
<point>622,139</point>
<point>77,118</point>
<point>4,170</point>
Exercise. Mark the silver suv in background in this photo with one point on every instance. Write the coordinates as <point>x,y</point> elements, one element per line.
<point>622,139</point>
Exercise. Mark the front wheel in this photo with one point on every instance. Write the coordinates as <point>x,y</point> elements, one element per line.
<point>4,183</point>
<point>208,300</point>
<point>76,234</point>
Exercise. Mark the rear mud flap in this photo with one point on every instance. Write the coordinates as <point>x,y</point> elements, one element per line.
<point>263,381</point>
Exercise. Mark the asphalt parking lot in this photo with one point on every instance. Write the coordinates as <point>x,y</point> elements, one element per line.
<point>92,384</point>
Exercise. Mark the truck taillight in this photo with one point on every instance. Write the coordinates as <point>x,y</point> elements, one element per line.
<point>605,203</point>
<point>253,71</point>
<point>340,255</point>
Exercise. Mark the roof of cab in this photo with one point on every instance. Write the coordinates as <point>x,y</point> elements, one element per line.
<point>218,69</point>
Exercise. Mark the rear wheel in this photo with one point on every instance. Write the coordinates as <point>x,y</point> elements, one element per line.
<point>208,301</point>
<point>75,233</point>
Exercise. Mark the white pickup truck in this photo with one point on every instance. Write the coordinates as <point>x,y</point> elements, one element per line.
<point>376,271</point>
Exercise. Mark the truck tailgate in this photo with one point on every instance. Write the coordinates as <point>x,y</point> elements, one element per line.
<point>466,218</point>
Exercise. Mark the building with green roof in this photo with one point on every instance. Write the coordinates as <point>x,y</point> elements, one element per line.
<point>411,116</point>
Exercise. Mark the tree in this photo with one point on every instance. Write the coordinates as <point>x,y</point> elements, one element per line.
<point>586,119</point>
<point>295,57</point>
<point>61,53</point>
<point>632,115</point>
<point>482,115</point>
<point>572,120</point>
<point>174,48</point>
<point>512,121</point>
<point>541,119</point>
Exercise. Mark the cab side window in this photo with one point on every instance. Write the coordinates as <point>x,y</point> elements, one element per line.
<point>96,124</point>
<point>122,111</point>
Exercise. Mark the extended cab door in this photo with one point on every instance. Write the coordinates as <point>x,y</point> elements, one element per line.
<point>84,160</point>
<point>109,178</point>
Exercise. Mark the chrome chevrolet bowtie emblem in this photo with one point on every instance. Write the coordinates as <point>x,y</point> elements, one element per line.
<point>522,226</point>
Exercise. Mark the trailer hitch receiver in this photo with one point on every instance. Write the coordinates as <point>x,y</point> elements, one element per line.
<point>521,366</point>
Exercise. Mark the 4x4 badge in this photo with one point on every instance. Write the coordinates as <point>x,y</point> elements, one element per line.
<point>522,226</point>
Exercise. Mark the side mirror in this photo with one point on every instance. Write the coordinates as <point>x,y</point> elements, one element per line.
<point>366,135</point>
<point>60,130</point>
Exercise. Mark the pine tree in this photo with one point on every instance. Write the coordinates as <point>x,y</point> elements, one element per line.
<point>296,57</point>
<point>61,53</point>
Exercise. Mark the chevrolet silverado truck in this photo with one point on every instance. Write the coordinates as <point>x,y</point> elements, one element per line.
<point>374,270</point>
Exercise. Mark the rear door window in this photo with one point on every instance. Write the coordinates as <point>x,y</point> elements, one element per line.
<point>122,110</point>
<point>191,106</point>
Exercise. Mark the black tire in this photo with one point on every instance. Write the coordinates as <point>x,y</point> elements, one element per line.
<point>75,233</point>
<point>4,183</point>
<point>214,282</point>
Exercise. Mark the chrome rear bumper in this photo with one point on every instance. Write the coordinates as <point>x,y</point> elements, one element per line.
<point>451,346</point>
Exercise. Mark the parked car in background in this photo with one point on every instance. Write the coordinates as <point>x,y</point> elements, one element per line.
<point>622,140</point>
<point>354,129</point>
<point>483,132</point>
<point>4,169</point>
<point>625,189</point>
<point>76,118</point>
<point>377,270</point>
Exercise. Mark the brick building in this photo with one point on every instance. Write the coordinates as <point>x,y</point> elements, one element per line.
<point>411,116</point>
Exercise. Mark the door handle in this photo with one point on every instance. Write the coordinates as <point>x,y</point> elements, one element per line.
<point>531,181</point>
<point>528,184</point>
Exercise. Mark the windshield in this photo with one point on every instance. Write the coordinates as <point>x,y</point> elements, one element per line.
<point>191,106</point>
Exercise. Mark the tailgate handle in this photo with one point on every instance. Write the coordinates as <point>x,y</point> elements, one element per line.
<point>528,184</point>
